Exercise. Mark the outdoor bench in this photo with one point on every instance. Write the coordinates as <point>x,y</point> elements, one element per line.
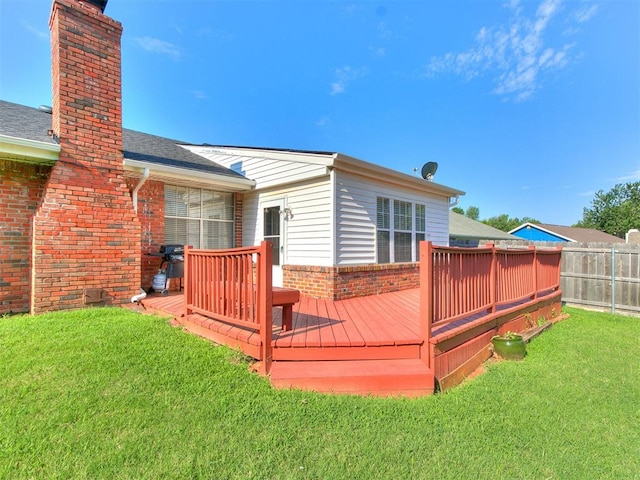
<point>285,298</point>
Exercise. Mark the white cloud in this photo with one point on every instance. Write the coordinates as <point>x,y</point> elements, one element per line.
<point>345,76</point>
<point>378,51</point>
<point>518,53</point>
<point>384,31</point>
<point>199,94</point>
<point>43,35</point>
<point>161,47</point>
<point>630,177</point>
<point>323,122</point>
<point>215,34</point>
<point>585,13</point>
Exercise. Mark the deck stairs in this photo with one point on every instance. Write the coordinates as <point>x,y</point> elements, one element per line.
<point>381,370</point>
<point>408,377</point>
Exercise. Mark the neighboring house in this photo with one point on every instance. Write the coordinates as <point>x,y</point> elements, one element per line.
<point>85,202</point>
<point>539,232</point>
<point>632,236</point>
<point>466,232</point>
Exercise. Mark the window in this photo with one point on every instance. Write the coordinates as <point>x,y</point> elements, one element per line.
<point>421,228</point>
<point>402,223</point>
<point>272,231</point>
<point>398,240</point>
<point>384,227</point>
<point>198,217</point>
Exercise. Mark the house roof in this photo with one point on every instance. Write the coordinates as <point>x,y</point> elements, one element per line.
<point>172,159</point>
<point>164,151</point>
<point>572,234</point>
<point>331,160</point>
<point>466,228</point>
<point>165,157</point>
<point>23,139</point>
<point>25,122</point>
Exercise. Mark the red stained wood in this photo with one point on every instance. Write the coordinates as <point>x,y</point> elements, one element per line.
<point>386,320</point>
<point>393,343</point>
<point>357,377</point>
<point>285,298</point>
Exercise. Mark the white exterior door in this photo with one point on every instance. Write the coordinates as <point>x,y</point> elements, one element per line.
<point>273,230</point>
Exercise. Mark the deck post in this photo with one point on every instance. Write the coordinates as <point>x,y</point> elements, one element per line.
<point>534,275</point>
<point>265,305</point>
<point>493,278</point>
<point>186,282</point>
<point>426,300</point>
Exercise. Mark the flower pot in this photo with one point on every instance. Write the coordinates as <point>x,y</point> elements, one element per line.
<point>509,347</point>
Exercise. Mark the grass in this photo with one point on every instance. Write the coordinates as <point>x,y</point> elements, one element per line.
<point>109,393</point>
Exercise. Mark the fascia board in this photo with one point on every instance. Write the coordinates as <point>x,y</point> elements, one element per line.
<point>377,172</point>
<point>192,177</point>
<point>325,159</point>
<point>22,148</point>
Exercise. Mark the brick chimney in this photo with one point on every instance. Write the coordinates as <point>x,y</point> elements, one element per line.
<point>86,236</point>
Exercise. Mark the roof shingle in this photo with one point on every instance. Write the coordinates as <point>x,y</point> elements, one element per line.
<point>32,123</point>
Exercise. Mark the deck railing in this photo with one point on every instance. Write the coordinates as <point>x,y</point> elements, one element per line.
<point>459,283</point>
<point>234,286</point>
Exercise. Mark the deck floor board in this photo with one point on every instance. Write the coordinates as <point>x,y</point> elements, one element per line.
<point>381,320</point>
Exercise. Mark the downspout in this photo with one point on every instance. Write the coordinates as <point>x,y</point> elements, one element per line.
<point>141,182</point>
<point>134,198</point>
<point>455,201</point>
<point>142,295</point>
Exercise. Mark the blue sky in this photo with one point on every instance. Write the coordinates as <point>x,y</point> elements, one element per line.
<point>530,107</point>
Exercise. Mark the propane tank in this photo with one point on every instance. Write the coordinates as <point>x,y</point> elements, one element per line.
<point>159,281</point>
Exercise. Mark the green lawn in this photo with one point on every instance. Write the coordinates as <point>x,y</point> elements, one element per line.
<point>109,393</point>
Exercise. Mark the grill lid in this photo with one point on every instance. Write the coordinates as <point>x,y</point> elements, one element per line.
<point>172,249</point>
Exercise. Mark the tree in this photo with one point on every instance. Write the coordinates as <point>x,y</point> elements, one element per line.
<point>505,223</point>
<point>473,213</point>
<point>616,211</point>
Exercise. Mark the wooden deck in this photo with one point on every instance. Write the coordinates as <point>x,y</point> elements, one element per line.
<point>368,345</point>
<point>324,326</point>
<point>397,343</point>
<point>364,346</point>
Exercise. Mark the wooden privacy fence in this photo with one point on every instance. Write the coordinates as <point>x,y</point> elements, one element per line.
<point>602,276</point>
<point>461,283</point>
<point>234,286</point>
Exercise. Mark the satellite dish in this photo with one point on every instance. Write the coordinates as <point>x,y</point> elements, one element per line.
<point>429,170</point>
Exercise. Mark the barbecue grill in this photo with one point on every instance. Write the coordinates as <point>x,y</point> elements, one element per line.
<point>172,265</point>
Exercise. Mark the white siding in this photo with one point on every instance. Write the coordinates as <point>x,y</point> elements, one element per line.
<point>355,199</point>
<point>334,214</point>
<point>268,170</point>
<point>308,234</point>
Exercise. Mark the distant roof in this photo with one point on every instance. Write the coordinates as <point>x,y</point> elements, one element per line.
<point>466,228</point>
<point>33,123</point>
<point>573,234</point>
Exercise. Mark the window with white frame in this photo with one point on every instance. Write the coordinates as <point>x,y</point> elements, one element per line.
<point>401,226</point>
<point>421,228</point>
<point>198,217</point>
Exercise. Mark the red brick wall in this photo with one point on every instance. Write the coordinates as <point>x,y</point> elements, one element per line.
<point>86,236</point>
<point>20,191</point>
<point>151,217</point>
<point>315,282</point>
<point>339,283</point>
